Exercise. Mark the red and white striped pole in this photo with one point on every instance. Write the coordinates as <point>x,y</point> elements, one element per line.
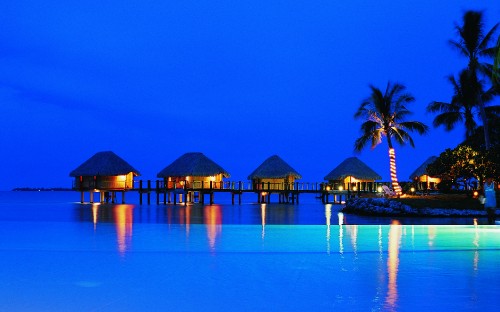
<point>394,177</point>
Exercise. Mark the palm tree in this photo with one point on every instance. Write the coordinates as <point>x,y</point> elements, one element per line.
<point>474,45</point>
<point>462,105</point>
<point>495,75</point>
<point>384,115</point>
<point>463,108</point>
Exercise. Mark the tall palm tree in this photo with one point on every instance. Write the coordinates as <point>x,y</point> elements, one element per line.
<point>495,76</point>
<point>462,107</point>
<point>474,45</point>
<point>384,115</point>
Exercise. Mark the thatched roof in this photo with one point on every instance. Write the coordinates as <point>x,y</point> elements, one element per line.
<point>422,170</point>
<point>104,164</point>
<point>274,168</point>
<point>353,167</point>
<point>193,165</point>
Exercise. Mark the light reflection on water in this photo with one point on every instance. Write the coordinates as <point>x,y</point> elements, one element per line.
<point>395,234</point>
<point>128,257</point>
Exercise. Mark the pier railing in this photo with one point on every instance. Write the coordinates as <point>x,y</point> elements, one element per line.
<point>248,186</point>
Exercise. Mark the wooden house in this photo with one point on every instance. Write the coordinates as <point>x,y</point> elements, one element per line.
<point>106,173</point>
<point>353,174</point>
<point>193,171</point>
<point>422,179</point>
<point>274,174</point>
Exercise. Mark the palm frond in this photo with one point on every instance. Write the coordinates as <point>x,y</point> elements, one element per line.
<point>402,137</point>
<point>401,115</point>
<point>363,109</point>
<point>360,143</point>
<point>436,106</point>
<point>368,127</point>
<point>483,45</point>
<point>417,126</point>
<point>459,47</point>
<point>448,120</point>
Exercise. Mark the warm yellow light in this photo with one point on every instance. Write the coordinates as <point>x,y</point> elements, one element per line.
<point>328,187</point>
<point>379,189</point>
<point>412,190</point>
<point>395,234</point>
<point>121,178</point>
<point>213,221</point>
<point>475,194</point>
<point>124,219</point>
<point>354,188</point>
<point>341,218</point>
<point>341,188</point>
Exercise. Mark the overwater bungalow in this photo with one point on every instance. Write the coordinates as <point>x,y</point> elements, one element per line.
<point>353,174</point>
<point>193,170</point>
<point>106,173</point>
<point>422,179</point>
<point>274,174</point>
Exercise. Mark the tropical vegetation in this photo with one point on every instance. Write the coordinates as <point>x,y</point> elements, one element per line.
<point>465,167</point>
<point>474,43</point>
<point>462,107</point>
<point>384,115</point>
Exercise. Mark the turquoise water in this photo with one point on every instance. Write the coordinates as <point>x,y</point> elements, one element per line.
<point>57,255</point>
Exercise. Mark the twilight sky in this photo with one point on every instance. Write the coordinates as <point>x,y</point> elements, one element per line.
<point>237,80</point>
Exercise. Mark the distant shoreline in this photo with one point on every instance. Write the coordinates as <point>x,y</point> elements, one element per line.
<point>41,189</point>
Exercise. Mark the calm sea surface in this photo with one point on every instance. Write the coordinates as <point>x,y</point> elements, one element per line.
<point>59,255</point>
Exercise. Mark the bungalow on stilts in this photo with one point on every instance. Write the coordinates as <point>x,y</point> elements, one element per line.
<point>424,182</point>
<point>274,175</point>
<point>104,173</point>
<point>192,175</point>
<point>352,175</point>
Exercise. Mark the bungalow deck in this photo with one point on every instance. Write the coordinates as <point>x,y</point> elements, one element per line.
<point>184,192</point>
<point>189,192</point>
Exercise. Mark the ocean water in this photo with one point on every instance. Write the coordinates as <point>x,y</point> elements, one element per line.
<point>59,255</point>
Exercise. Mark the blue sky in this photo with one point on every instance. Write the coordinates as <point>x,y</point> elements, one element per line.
<point>237,80</point>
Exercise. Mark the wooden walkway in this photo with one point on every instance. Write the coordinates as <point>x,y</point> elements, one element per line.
<point>190,192</point>
<point>184,192</point>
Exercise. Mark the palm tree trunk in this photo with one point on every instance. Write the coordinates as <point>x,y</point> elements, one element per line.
<point>485,123</point>
<point>394,177</point>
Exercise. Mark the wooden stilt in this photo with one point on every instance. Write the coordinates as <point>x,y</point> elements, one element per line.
<point>157,192</point>
<point>149,192</point>
<point>140,192</point>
